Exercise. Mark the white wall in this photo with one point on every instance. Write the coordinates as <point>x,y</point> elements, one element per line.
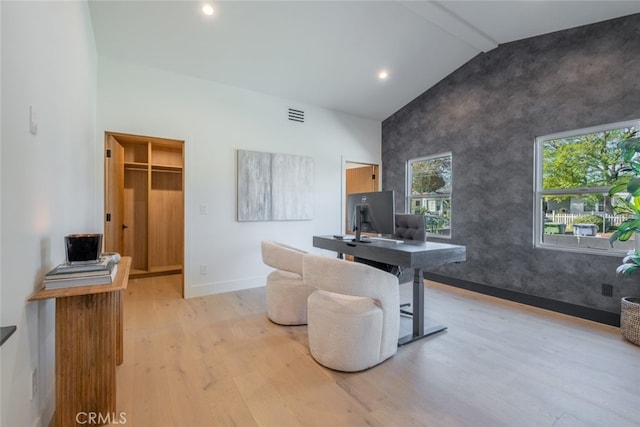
<point>215,120</point>
<point>52,182</point>
<point>48,182</point>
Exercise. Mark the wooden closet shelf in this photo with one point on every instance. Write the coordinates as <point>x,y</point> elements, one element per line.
<point>144,167</point>
<point>149,198</point>
<point>136,166</point>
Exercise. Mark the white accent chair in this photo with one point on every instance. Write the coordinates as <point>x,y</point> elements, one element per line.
<point>353,316</point>
<point>286,293</point>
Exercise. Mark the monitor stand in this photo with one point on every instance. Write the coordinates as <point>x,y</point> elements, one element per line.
<point>358,238</point>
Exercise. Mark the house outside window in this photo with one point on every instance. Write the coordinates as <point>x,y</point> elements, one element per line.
<point>429,192</point>
<point>574,172</point>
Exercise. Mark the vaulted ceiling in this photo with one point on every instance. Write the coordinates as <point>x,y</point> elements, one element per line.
<point>329,53</point>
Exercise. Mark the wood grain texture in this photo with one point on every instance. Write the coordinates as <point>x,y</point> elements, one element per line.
<point>165,219</point>
<point>119,283</point>
<point>113,195</point>
<point>218,361</point>
<point>85,356</point>
<point>167,154</point>
<point>153,203</point>
<point>136,216</point>
<point>359,180</point>
<point>89,345</point>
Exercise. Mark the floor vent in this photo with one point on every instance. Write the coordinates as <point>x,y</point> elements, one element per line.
<point>296,115</point>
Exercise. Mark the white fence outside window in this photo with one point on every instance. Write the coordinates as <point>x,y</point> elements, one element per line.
<point>568,218</point>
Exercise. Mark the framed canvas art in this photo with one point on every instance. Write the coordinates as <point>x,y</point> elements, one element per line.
<point>274,187</point>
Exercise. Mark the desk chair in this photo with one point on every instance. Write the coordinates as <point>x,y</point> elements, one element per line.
<point>286,292</point>
<point>408,227</point>
<point>353,316</point>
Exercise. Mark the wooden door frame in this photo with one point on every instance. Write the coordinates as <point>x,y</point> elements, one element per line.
<point>141,138</point>
<point>111,177</point>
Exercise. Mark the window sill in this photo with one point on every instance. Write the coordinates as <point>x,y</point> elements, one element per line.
<point>584,244</point>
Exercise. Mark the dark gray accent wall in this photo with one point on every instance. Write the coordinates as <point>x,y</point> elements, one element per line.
<point>488,114</point>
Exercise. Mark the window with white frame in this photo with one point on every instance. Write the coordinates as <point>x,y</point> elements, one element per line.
<point>429,192</point>
<point>574,172</point>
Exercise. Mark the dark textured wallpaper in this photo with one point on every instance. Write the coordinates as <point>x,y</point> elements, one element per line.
<point>488,114</point>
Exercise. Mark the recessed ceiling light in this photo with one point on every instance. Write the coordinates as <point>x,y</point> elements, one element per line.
<point>207,9</point>
<point>382,75</point>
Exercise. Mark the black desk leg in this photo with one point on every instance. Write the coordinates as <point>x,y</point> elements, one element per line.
<point>419,330</point>
<point>418,303</point>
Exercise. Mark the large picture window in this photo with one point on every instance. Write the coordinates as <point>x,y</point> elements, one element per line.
<point>574,172</point>
<point>429,192</point>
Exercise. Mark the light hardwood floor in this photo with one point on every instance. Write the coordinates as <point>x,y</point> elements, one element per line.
<point>218,361</point>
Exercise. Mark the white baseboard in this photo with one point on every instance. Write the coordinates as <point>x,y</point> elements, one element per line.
<point>200,290</point>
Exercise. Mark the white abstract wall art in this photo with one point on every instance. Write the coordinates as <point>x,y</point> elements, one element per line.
<point>274,187</point>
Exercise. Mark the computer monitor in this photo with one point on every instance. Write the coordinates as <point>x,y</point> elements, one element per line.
<point>372,212</point>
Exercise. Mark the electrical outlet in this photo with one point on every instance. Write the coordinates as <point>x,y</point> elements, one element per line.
<point>607,290</point>
<point>203,269</point>
<point>34,383</point>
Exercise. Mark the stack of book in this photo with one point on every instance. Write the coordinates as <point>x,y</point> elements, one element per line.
<point>96,273</point>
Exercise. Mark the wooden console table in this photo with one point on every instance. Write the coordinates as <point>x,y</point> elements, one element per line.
<point>89,345</point>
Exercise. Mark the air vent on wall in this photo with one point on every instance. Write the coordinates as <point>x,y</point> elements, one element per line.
<point>296,115</point>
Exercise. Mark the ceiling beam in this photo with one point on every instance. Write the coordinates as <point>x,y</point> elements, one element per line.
<point>437,14</point>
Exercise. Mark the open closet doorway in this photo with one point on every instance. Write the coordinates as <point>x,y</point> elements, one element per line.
<point>144,202</point>
<point>360,178</point>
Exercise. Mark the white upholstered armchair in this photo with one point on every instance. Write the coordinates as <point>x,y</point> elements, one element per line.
<point>353,316</point>
<point>286,293</point>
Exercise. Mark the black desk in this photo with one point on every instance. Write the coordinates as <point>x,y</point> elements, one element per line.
<point>416,255</point>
